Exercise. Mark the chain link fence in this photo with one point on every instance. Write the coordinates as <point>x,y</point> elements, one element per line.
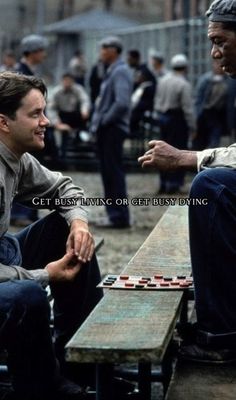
<point>182,36</point>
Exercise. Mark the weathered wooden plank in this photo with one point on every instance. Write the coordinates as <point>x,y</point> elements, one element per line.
<point>99,241</point>
<point>127,326</point>
<point>166,246</point>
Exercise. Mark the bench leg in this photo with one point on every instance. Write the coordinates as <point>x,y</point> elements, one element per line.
<point>167,369</point>
<point>104,381</point>
<point>145,378</point>
<point>184,310</point>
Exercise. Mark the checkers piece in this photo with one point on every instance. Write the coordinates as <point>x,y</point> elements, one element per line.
<point>174,283</point>
<point>129,284</point>
<point>124,277</point>
<point>138,286</point>
<point>184,284</point>
<point>164,284</point>
<point>158,276</point>
<point>181,277</point>
<point>134,282</point>
<point>143,281</point>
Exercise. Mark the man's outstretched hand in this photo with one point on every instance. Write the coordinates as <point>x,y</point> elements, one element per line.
<point>64,269</point>
<point>165,157</point>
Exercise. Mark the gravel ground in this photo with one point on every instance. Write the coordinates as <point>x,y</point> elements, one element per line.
<point>121,245</point>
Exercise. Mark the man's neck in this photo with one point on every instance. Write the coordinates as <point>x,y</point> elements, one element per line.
<point>29,64</point>
<point>8,144</point>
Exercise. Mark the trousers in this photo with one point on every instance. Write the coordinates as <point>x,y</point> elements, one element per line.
<point>213,254</point>
<point>174,130</point>
<point>110,149</point>
<point>25,311</point>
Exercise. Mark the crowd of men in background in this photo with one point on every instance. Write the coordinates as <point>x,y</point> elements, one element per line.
<point>113,98</point>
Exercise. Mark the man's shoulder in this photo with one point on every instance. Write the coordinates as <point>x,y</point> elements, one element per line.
<point>23,68</point>
<point>121,66</point>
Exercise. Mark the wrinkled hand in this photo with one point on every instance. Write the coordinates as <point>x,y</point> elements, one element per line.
<point>161,155</point>
<point>64,269</point>
<point>80,241</point>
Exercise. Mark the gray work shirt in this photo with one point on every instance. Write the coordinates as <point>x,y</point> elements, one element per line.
<point>175,92</point>
<point>23,180</point>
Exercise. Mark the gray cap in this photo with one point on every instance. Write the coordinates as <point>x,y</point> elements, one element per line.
<point>157,55</point>
<point>222,11</point>
<point>111,41</point>
<point>32,43</point>
<point>179,61</point>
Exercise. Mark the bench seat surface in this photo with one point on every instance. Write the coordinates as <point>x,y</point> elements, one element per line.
<point>133,325</point>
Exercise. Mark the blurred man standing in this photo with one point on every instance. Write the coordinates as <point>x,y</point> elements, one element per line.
<point>174,105</point>
<point>110,122</point>
<point>33,49</point>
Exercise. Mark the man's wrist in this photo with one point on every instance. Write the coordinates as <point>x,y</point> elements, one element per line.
<point>187,160</point>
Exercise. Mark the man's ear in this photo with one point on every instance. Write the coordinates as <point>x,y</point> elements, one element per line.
<point>4,123</point>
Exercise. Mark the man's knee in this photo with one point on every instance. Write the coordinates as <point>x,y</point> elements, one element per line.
<point>31,295</point>
<point>206,183</point>
<point>28,296</point>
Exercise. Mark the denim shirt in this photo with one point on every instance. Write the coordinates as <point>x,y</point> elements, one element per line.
<point>113,105</point>
<point>25,179</point>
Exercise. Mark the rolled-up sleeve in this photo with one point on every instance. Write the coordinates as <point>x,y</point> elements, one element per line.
<point>9,273</point>
<point>216,158</point>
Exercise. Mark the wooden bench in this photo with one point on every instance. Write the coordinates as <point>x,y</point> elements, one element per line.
<point>132,326</point>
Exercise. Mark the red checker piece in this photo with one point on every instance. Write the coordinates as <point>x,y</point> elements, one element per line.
<point>143,281</point>
<point>124,277</point>
<point>127,284</point>
<point>174,283</point>
<point>164,284</point>
<point>158,276</point>
<point>184,284</point>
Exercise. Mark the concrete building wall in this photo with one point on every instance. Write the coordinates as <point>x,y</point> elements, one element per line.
<point>175,9</point>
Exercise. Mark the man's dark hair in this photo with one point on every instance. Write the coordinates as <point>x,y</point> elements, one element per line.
<point>134,53</point>
<point>13,88</point>
<point>68,75</point>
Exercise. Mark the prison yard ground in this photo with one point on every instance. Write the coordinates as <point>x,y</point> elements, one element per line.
<point>121,244</point>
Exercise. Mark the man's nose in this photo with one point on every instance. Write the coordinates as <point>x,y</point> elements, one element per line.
<point>215,52</point>
<point>44,120</point>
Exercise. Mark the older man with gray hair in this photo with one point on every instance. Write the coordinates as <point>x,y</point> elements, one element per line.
<point>212,227</point>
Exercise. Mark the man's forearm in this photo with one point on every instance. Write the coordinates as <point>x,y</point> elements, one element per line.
<point>188,160</point>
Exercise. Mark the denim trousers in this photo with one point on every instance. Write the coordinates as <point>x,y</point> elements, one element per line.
<point>110,149</point>
<point>25,311</point>
<point>213,254</point>
<point>173,130</point>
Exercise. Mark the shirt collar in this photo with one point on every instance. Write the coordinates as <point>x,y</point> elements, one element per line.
<point>9,157</point>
